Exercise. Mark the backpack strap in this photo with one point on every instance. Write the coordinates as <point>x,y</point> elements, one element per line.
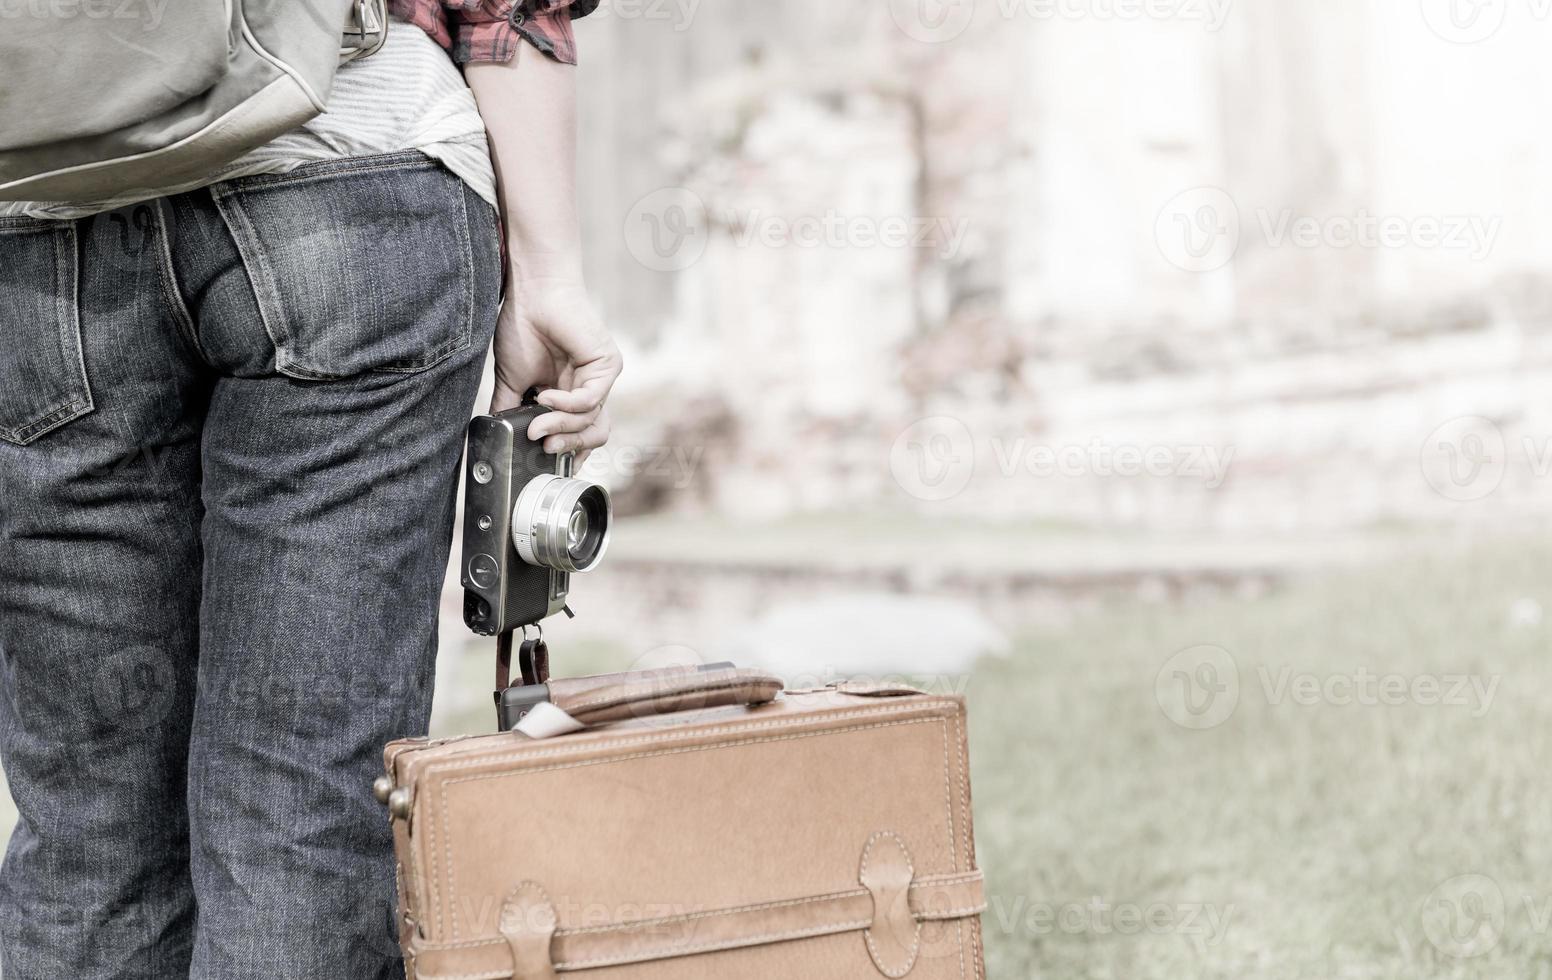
<point>367,30</point>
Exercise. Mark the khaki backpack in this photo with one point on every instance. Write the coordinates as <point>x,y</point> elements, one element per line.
<point>103,98</point>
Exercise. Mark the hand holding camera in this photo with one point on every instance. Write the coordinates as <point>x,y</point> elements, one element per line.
<point>550,334</point>
<point>529,523</point>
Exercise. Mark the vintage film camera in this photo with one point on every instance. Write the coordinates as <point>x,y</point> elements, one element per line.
<point>528,524</point>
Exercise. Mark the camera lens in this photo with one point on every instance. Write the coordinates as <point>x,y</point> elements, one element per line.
<point>561,523</point>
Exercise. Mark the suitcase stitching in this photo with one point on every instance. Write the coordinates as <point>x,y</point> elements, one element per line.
<point>447,839</point>
<point>772,937</point>
<point>691,916</point>
<point>442,912</point>
<point>961,725</point>
<point>936,915</point>
<point>909,705</point>
<point>867,934</point>
<point>446,848</point>
<point>775,937</point>
<point>948,802</point>
<point>687,749</point>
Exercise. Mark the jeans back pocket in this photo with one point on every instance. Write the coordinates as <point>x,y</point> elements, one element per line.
<point>43,383</point>
<point>362,264</point>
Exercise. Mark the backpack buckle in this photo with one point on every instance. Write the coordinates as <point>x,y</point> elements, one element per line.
<point>367,30</point>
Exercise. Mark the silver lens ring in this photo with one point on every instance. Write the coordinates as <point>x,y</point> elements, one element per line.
<point>562,523</point>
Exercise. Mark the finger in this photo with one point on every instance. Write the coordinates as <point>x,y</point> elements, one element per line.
<point>586,451</point>
<point>592,437</point>
<point>554,423</point>
<point>504,398</point>
<point>590,386</point>
<point>587,395</point>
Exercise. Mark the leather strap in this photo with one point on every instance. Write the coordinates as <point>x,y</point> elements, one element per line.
<point>528,924</point>
<point>933,898</point>
<point>637,694</point>
<point>894,938</point>
<point>533,662</point>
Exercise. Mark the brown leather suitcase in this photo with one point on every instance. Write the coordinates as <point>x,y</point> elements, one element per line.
<point>698,826</point>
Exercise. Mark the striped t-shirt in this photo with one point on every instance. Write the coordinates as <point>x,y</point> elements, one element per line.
<point>407,96</point>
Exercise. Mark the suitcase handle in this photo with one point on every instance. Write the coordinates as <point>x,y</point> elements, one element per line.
<point>589,701</point>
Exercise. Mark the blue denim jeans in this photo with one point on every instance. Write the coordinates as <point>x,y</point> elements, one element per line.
<point>230,431</point>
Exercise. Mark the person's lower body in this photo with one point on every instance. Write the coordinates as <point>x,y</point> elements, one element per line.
<point>230,431</point>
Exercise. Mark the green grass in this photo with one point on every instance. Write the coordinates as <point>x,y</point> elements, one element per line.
<point>1318,831</point>
<point>1314,834</point>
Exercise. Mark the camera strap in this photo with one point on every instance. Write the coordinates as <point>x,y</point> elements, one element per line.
<point>533,662</point>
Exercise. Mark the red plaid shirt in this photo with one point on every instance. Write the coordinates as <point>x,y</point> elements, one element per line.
<point>488,30</point>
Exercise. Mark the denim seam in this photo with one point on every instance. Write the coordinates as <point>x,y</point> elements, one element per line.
<point>401,160</point>
<point>246,238</point>
<point>23,224</point>
<point>462,341</point>
<point>168,277</point>
<point>67,312</point>
<point>246,241</point>
<point>64,413</point>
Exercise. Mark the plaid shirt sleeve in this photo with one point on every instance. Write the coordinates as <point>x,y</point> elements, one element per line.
<point>490,30</point>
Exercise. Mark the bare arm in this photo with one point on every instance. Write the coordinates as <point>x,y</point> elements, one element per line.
<point>549,332</point>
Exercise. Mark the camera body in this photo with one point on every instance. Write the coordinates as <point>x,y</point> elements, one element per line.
<point>528,524</point>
